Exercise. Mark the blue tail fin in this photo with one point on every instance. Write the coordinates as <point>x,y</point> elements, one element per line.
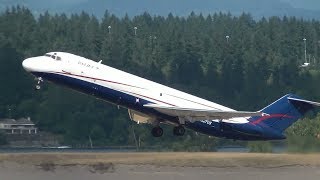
<point>282,113</point>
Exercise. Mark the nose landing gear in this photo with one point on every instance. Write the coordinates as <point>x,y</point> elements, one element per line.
<point>39,81</point>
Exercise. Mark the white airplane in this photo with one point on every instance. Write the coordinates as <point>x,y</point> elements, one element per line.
<point>150,102</point>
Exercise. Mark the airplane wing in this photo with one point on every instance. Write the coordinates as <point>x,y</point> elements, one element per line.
<point>201,114</point>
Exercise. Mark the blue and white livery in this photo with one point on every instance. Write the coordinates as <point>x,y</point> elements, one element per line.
<point>150,102</point>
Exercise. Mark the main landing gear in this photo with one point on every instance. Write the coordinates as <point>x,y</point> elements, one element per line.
<point>39,81</point>
<point>177,131</point>
<point>157,131</point>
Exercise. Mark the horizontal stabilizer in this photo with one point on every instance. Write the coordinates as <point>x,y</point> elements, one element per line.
<point>201,114</point>
<point>304,101</point>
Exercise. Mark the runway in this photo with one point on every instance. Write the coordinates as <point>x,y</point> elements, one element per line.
<point>137,166</point>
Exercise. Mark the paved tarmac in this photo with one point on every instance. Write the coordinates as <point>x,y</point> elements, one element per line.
<point>159,166</point>
<point>12,171</point>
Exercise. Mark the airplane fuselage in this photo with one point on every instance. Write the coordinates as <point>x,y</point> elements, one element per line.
<point>133,92</point>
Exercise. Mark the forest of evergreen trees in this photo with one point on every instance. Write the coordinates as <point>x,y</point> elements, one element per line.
<point>235,61</point>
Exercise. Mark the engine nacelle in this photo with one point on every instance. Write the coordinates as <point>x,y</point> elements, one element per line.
<point>140,117</point>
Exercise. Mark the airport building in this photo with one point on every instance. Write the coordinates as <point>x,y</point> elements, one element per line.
<point>19,126</point>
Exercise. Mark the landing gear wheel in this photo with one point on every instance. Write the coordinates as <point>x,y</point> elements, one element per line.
<point>179,131</point>
<point>37,87</point>
<point>157,131</point>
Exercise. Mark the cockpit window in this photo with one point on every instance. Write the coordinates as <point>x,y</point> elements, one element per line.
<point>54,56</point>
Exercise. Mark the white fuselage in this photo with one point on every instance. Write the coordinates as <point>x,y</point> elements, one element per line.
<point>76,67</point>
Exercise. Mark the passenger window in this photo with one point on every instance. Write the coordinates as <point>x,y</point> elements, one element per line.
<point>48,55</point>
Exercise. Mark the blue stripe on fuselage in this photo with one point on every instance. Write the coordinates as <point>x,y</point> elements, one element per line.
<point>235,131</point>
<point>104,93</point>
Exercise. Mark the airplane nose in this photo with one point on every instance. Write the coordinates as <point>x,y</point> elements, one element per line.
<point>27,64</point>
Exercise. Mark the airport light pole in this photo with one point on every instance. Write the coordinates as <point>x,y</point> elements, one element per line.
<point>135,30</point>
<point>9,109</point>
<point>109,29</point>
<point>152,38</point>
<point>227,37</point>
<point>305,49</point>
<point>152,41</point>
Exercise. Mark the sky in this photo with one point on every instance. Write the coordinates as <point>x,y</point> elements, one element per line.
<point>258,8</point>
<point>305,4</point>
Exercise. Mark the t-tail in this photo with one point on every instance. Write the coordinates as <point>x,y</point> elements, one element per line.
<point>282,113</point>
